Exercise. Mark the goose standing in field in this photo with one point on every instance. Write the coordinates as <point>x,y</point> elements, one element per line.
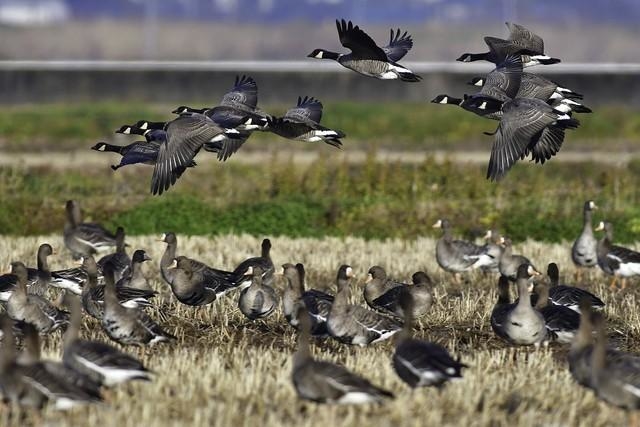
<point>502,308</point>
<point>521,41</point>
<point>420,363</point>
<point>263,261</point>
<point>317,303</point>
<point>366,57</point>
<point>521,324</point>
<point>129,326</point>
<point>119,261</point>
<point>100,362</point>
<point>509,262</point>
<point>569,296</point>
<point>616,260</point>
<point>579,356</point>
<point>353,324</point>
<point>584,250</point>
<point>385,295</point>
<point>259,299</point>
<point>561,322</point>
<point>302,123</point>
<point>136,279</point>
<point>327,382</point>
<point>454,256</point>
<point>83,238</point>
<point>38,279</point>
<point>34,309</point>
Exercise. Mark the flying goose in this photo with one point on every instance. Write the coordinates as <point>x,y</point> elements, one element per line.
<point>569,296</point>
<point>119,261</point>
<point>34,309</point>
<point>509,263</point>
<point>420,363</point>
<point>139,152</point>
<point>136,279</point>
<point>100,362</point>
<point>83,238</point>
<point>583,252</point>
<point>386,295</point>
<point>561,321</point>
<point>616,260</point>
<point>30,384</point>
<point>521,41</point>
<point>520,324</point>
<point>128,326</point>
<point>454,256</point>
<point>185,137</point>
<point>302,123</point>
<point>366,57</point>
<point>259,299</point>
<point>38,278</point>
<point>353,324</point>
<point>327,382</point>
<point>317,303</point>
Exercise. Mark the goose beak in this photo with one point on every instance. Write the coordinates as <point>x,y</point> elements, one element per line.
<point>600,226</point>
<point>173,265</point>
<point>438,224</point>
<point>369,278</point>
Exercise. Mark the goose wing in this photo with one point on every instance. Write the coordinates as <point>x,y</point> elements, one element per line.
<point>307,110</point>
<point>501,48</point>
<point>423,356</point>
<point>547,145</point>
<point>536,86</point>
<point>244,94</point>
<point>398,45</point>
<point>103,355</point>
<point>362,46</point>
<point>56,389</point>
<point>94,235</point>
<point>623,255</point>
<point>503,83</point>
<point>342,381</point>
<point>523,37</point>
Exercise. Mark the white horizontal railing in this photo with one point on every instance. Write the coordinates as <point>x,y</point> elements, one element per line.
<point>303,66</point>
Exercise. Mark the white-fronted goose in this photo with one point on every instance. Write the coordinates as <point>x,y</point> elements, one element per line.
<point>489,259</point>
<point>521,324</point>
<point>584,252</point>
<point>327,382</point>
<point>317,303</point>
<point>616,260</point>
<point>38,278</point>
<point>561,322</point>
<point>136,279</point>
<point>263,261</point>
<point>502,308</point>
<point>579,356</point>
<point>509,262</point>
<point>34,309</point>
<point>259,299</point>
<point>384,294</point>
<point>128,326</point>
<point>420,363</point>
<point>83,238</point>
<point>569,296</point>
<point>119,261</point>
<point>454,256</point>
<point>191,285</point>
<point>353,324</point>
<point>100,362</point>
<point>366,57</point>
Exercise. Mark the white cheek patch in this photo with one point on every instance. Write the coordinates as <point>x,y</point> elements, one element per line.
<point>319,55</point>
<point>483,106</point>
<point>444,100</point>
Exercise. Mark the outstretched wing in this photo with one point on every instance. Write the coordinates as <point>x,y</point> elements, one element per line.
<point>398,45</point>
<point>362,46</point>
<point>308,109</point>
<point>525,38</point>
<point>243,95</point>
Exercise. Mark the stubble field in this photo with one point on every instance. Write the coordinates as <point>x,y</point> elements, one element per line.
<point>225,370</point>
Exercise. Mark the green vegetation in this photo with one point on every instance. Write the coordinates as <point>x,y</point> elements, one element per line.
<point>393,125</point>
<point>329,196</point>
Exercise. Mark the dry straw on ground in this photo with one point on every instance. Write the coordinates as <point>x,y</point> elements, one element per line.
<point>227,371</point>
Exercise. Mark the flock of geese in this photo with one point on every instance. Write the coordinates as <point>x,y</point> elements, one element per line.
<point>114,291</point>
<point>533,112</point>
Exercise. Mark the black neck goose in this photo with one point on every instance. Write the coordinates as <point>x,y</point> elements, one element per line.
<point>100,362</point>
<point>535,86</point>
<point>616,260</point>
<point>522,324</point>
<point>38,278</point>
<point>317,303</point>
<point>583,251</point>
<point>471,104</point>
<point>129,326</point>
<point>93,294</point>
<point>509,262</point>
<point>562,322</point>
<point>502,308</point>
<point>569,296</point>
<point>259,299</point>
<point>139,152</point>
<point>327,382</point>
<point>420,363</point>
<point>385,295</point>
<point>454,256</point>
<point>264,261</point>
<point>136,279</point>
<point>34,309</point>
<point>353,324</point>
<point>82,238</point>
<point>366,57</point>
<point>119,261</point>
<point>615,377</point>
<point>302,123</point>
